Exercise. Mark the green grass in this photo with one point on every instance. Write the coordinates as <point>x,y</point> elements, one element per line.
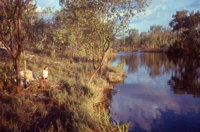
<point>69,104</point>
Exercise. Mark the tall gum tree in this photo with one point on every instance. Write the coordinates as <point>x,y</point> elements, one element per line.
<point>15,20</point>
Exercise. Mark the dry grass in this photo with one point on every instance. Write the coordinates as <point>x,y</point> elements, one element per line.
<point>69,104</point>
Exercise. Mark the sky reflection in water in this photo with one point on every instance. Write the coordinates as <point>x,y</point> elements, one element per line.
<point>155,96</point>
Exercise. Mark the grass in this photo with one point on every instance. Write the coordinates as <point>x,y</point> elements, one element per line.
<point>69,104</point>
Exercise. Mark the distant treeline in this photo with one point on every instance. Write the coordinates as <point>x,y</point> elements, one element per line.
<point>182,38</point>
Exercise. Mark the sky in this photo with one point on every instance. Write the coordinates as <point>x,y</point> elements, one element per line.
<point>159,12</point>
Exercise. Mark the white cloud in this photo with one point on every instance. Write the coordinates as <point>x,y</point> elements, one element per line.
<point>166,8</point>
<point>141,105</point>
<point>150,13</point>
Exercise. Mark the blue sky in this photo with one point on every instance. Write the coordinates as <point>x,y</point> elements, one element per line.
<point>48,3</point>
<point>158,13</point>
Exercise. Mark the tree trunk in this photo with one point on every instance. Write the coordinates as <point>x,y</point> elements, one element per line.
<point>94,61</point>
<point>101,62</point>
<point>99,67</point>
<point>25,69</point>
<point>72,54</point>
<point>17,68</point>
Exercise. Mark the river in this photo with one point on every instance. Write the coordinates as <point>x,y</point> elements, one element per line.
<point>159,94</point>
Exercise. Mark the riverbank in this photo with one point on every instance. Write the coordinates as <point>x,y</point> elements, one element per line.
<point>69,104</point>
<point>141,50</point>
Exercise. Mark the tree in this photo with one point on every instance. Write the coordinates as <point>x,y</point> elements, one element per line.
<point>14,23</point>
<point>133,37</point>
<point>143,38</point>
<point>186,26</point>
<point>95,24</point>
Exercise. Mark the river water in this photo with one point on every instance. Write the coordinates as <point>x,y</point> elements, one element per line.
<point>159,94</point>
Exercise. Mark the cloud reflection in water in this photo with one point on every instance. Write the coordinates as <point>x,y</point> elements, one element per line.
<point>143,99</point>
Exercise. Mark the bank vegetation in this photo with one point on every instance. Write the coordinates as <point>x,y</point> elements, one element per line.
<point>76,43</point>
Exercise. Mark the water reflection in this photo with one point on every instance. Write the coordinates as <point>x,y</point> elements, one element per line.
<point>158,94</point>
<point>186,77</point>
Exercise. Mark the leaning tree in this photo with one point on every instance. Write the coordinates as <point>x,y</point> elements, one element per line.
<point>94,24</point>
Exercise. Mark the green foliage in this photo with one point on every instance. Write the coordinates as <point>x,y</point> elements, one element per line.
<point>182,39</point>
<point>90,26</point>
<point>82,31</point>
<point>186,27</point>
<point>157,38</point>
